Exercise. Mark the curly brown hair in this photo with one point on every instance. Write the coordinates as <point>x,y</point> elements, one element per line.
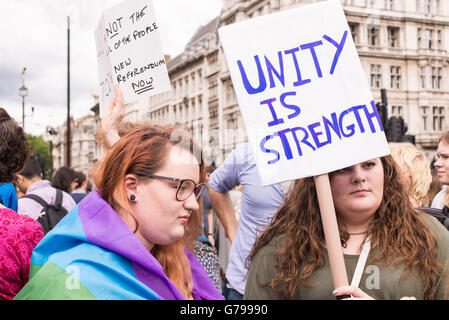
<point>14,150</point>
<point>397,230</point>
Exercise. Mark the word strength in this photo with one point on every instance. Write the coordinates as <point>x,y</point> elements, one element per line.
<point>351,122</point>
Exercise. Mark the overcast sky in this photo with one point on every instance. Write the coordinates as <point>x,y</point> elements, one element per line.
<point>33,34</point>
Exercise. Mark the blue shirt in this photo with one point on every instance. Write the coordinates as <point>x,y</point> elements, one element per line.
<point>258,205</point>
<point>8,196</point>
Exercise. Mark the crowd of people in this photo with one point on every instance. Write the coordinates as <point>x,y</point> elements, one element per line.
<point>161,223</point>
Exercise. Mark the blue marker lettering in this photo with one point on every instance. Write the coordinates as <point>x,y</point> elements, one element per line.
<point>300,82</point>
<point>275,121</point>
<point>262,147</point>
<point>349,127</point>
<point>290,106</point>
<point>374,114</point>
<point>333,125</point>
<point>262,81</point>
<point>316,134</point>
<point>285,144</point>
<point>311,46</point>
<point>272,70</point>
<point>356,109</point>
<point>339,47</point>
<point>304,139</point>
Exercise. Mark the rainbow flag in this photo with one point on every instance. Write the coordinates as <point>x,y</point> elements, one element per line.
<point>92,254</point>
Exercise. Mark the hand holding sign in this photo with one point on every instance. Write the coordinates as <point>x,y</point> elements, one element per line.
<point>129,53</point>
<point>111,121</point>
<point>305,101</point>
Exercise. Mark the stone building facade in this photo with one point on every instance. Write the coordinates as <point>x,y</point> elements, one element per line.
<point>403,46</point>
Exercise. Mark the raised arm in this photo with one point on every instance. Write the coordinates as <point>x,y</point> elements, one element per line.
<point>222,204</point>
<point>108,131</point>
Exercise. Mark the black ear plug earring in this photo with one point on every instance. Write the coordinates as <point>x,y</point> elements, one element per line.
<point>132,197</point>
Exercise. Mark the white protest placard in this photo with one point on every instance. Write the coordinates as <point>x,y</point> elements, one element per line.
<point>303,95</point>
<point>129,53</point>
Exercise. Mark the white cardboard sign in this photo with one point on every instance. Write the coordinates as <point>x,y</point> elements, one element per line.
<point>129,53</point>
<point>304,98</point>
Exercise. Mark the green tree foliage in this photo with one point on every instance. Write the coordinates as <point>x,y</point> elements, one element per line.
<point>40,147</point>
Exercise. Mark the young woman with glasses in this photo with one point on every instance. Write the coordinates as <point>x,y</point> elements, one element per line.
<point>133,237</point>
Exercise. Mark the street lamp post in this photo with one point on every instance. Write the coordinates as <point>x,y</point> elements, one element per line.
<point>23,92</point>
<point>51,131</point>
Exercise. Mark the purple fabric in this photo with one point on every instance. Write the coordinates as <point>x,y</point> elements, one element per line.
<point>103,227</point>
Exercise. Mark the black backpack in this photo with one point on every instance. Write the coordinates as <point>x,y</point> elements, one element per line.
<point>442,215</point>
<point>51,214</point>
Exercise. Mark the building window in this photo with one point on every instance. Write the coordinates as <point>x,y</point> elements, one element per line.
<point>438,118</point>
<point>396,111</point>
<point>230,96</point>
<point>419,38</point>
<point>395,77</point>
<point>423,77</point>
<point>354,31</point>
<point>200,80</point>
<point>424,117</point>
<point>440,40</point>
<point>388,4</point>
<point>427,6</point>
<point>180,88</point>
<point>393,37</point>
<point>213,89</point>
<point>428,39</point>
<point>213,119</point>
<point>369,3</point>
<point>376,75</point>
<point>373,35</point>
<point>436,77</point>
<point>193,81</point>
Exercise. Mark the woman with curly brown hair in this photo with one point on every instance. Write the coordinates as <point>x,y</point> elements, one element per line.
<point>18,234</point>
<point>409,251</point>
<point>13,154</point>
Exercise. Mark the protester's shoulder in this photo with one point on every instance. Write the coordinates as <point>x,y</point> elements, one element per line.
<point>243,151</point>
<point>268,250</point>
<point>19,226</point>
<point>438,230</point>
<point>67,197</point>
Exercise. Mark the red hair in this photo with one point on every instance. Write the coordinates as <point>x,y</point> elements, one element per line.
<point>142,151</point>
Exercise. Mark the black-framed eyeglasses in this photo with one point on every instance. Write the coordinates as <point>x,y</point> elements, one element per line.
<point>185,187</point>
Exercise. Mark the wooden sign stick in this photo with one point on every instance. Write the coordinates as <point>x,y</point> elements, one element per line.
<point>331,233</point>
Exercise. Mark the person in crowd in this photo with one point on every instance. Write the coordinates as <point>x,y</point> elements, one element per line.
<point>442,167</point>
<point>112,128</point>
<point>435,187</point>
<point>413,170</point>
<point>409,250</point>
<point>225,243</point>
<point>133,237</point>
<point>258,205</point>
<point>208,225</point>
<point>65,179</point>
<point>29,181</point>
<point>18,234</point>
<point>15,151</point>
<point>79,192</point>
